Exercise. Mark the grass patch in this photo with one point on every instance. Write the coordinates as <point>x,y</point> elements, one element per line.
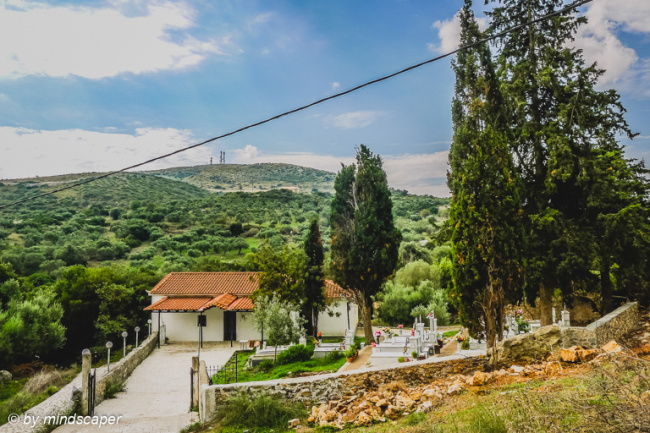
<point>112,388</point>
<point>20,395</point>
<point>263,372</point>
<point>451,333</point>
<point>258,413</point>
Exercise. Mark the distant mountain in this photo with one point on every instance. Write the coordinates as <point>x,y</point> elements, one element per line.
<point>251,178</point>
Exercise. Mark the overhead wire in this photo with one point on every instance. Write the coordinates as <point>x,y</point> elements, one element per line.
<point>312,104</point>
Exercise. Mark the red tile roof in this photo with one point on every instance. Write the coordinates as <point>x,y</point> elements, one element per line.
<point>179,304</point>
<point>223,301</point>
<point>241,304</point>
<point>207,283</point>
<point>218,283</point>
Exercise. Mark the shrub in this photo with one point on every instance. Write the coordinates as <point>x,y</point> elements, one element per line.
<point>297,353</point>
<point>333,356</point>
<point>245,411</point>
<point>351,352</point>
<point>265,366</point>
<point>112,388</point>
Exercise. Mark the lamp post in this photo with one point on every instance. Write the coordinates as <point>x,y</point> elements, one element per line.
<point>108,364</point>
<point>149,325</point>
<point>137,329</point>
<point>124,334</point>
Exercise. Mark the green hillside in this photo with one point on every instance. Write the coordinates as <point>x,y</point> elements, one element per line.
<point>115,190</point>
<point>251,178</point>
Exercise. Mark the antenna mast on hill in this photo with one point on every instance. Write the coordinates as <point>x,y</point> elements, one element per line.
<point>222,157</point>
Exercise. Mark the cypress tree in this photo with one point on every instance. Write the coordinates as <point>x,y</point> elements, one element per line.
<point>364,240</point>
<point>314,301</point>
<point>558,124</point>
<point>485,208</point>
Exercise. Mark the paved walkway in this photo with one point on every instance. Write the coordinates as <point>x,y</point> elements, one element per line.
<point>157,397</point>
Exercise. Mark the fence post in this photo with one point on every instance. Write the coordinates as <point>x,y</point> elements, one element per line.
<point>85,371</point>
<point>195,382</point>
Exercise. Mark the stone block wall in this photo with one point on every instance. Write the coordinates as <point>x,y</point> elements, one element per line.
<point>333,386</point>
<point>610,327</point>
<point>122,369</point>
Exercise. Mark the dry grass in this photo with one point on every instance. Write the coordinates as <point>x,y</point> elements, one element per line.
<point>42,381</point>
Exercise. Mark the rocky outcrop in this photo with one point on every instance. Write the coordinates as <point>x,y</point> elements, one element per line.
<point>530,347</point>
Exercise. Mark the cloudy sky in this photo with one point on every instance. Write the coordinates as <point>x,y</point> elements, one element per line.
<point>100,85</point>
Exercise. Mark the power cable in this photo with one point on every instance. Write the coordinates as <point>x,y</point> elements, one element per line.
<point>312,104</point>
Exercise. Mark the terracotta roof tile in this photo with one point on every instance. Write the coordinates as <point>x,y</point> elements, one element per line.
<point>239,284</point>
<point>223,301</point>
<point>207,283</point>
<point>333,290</point>
<point>241,304</point>
<point>179,304</point>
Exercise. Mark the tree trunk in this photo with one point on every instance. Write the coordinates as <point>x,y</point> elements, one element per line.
<point>605,288</point>
<point>367,322</point>
<point>545,304</point>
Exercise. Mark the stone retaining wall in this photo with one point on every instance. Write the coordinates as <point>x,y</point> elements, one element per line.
<point>122,369</point>
<point>333,386</point>
<point>610,327</point>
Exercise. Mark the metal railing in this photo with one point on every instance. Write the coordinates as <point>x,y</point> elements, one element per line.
<point>224,374</point>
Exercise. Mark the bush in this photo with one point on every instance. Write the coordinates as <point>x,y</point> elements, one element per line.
<point>297,353</point>
<point>245,411</point>
<point>333,356</point>
<point>112,388</point>
<point>265,366</point>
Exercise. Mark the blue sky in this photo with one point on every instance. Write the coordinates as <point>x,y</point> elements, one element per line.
<point>99,85</point>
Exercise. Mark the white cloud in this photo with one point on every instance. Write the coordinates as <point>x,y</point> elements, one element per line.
<point>248,153</point>
<point>355,119</point>
<point>419,174</point>
<point>126,36</point>
<point>28,152</point>
<point>335,85</point>
<point>599,39</point>
<point>449,34</point>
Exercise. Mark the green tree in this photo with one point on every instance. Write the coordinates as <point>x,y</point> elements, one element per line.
<point>364,240</point>
<point>278,320</point>
<point>485,207</point>
<point>30,327</point>
<point>282,273</point>
<point>556,124</point>
<point>314,299</point>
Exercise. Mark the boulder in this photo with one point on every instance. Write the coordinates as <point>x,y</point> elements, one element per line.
<point>364,419</point>
<point>570,354</point>
<point>530,346</point>
<point>5,376</point>
<point>587,355</point>
<point>425,407</point>
<point>479,379</point>
<point>393,412</point>
<point>553,367</point>
<point>454,389</point>
<point>612,346</point>
<point>294,423</point>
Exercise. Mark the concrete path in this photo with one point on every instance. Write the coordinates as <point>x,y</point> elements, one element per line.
<point>157,397</point>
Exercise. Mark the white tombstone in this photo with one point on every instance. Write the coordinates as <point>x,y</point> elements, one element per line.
<point>349,338</point>
<point>553,315</point>
<point>302,340</point>
<point>419,330</point>
<point>566,318</point>
<point>415,344</point>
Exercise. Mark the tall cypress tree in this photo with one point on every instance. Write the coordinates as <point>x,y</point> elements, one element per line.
<point>314,301</point>
<point>485,208</point>
<point>364,240</point>
<point>557,124</point>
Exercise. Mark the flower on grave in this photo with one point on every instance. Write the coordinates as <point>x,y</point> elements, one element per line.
<point>430,315</point>
<point>460,339</point>
<point>319,334</point>
<point>374,344</point>
<point>400,326</point>
<point>520,312</point>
